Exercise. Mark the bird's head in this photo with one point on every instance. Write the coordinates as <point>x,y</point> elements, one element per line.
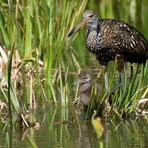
<point>90,18</point>
<point>83,79</point>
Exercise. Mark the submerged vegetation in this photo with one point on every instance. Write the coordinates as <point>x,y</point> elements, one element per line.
<point>37,59</point>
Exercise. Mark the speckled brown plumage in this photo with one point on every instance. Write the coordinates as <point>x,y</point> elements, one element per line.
<point>108,37</point>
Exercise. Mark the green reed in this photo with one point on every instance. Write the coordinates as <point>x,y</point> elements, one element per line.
<point>123,98</point>
<point>9,84</point>
<point>39,29</point>
<point>59,22</point>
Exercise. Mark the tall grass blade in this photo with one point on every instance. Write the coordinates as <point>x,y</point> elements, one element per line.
<point>9,82</point>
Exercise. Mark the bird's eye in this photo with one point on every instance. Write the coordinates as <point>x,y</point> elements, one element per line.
<point>91,15</point>
<point>84,77</point>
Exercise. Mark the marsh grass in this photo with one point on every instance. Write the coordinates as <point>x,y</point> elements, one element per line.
<point>120,100</point>
<point>39,29</point>
<point>39,32</point>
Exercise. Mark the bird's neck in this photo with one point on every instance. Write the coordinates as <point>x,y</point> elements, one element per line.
<point>91,40</point>
<point>85,87</point>
<point>95,28</point>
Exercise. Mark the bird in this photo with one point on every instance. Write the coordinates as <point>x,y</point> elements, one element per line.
<point>111,38</point>
<point>90,89</point>
<point>86,85</point>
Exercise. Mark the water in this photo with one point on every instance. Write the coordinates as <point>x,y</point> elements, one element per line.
<point>61,127</point>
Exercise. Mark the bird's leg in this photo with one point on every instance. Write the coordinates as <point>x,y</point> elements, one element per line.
<point>122,78</point>
<point>101,70</point>
<point>106,80</point>
<point>131,71</point>
<point>106,101</point>
<point>104,72</point>
<point>120,68</point>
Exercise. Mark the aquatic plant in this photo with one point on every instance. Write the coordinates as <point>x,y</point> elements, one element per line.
<point>42,62</point>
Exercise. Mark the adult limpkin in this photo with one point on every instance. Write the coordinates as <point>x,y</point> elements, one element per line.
<point>108,38</point>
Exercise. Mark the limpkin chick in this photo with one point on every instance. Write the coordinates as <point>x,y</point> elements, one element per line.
<point>85,87</point>
<point>108,38</point>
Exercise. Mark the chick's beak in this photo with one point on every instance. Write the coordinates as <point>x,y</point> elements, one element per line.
<point>81,24</point>
<point>77,82</point>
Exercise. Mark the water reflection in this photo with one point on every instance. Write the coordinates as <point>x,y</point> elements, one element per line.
<point>73,132</point>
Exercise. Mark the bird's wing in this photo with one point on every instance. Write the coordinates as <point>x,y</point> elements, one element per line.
<point>123,37</point>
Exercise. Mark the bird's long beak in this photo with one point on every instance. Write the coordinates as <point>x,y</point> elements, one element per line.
<point>77,82</point>
<point>81,24</point>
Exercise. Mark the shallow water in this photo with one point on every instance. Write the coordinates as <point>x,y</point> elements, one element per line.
<point>61,127</point>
